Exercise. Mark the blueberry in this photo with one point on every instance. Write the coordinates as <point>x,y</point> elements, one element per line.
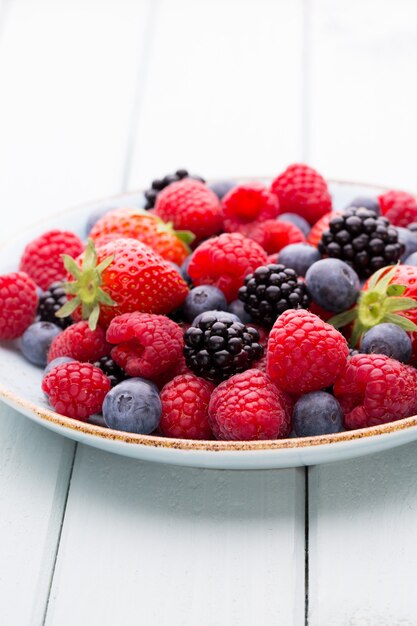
<point>60,360</point>
<point>387,339</point>
<point>133,406</point>
<point>201,299</point>
<point>366,201</point>
<point>184,270</point>
<point>333,284</point>
<point>409,240</point>
<point>238,308</point>
<point>221,316</point>
<point>297,220</point>
<point>299,256</point>
<point>317,413</point>
<point>36,341</point>
<point>411,260</point>
<point>222,187</point>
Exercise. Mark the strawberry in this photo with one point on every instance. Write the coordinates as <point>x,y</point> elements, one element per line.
<point>150,229</point>
<point>122,276</point>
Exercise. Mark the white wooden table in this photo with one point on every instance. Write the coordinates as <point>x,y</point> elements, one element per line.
<point>97,97</point>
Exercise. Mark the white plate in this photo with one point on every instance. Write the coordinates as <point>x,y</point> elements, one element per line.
<point>20,387</point>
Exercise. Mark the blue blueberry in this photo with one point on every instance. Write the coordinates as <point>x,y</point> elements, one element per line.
<point>238,308</point>
<point>333,284</point>
<point>201,299</point>
<point>409,240</point>
<point>317,413</point>
<point>297,220</point>
<point>222,187</point>
<point>387,339</point>
<point>221,316</point>
<point>60,360</point>
<point>299,256</point>
<point>133,406</point>
<point>411,260</point>
<point>366,201</point>
<point>36,341</point>
<point>184,270</point>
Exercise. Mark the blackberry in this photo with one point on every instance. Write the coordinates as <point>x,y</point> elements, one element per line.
<point>216,350</point>
<point>111,369</point>
<point>363,240</point>
<point>50,301</point>
<point>271,290</point>
<point>160,183</point>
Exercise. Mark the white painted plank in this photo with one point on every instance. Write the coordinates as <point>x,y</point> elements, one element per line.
<point>363,99</point>
<point>155,544</point>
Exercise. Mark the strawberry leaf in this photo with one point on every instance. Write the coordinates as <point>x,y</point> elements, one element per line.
<point>399,304</point>
<point>343,319</point>
<point>402,322</point>
<point>395,290</point>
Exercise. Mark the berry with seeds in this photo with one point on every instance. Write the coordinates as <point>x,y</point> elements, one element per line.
<point>18,303</point>
<point>361,239</point>
<point>374,389</point>
<point>50,302</point>
<point>271,290</point>
<point>222,187</point>
<point>248,406</point>
<point>315,234</point>
<point>367,202</point>
<point>146,345</point>
<point>80,343</point>
<point>304,353</point>
<point>115,373</point>
<point>247,205</point>
<point>299,256</point>
<point>297,220</point>
<point>333,285</point>
<point>216,349</point>
<point>317,413</point>
<point>160,183</point>
<point>201,299</point>
<point>133,406</point>
<point>76,389</point>
<point>273,235</point>
<point>36,341</point>
<point>238,308</point>
<point>190,205</point>
<point>388,339</point>
<point>185,400</point>
<point>42,257</point>
<point>55,362</point>
<point>224,261</point>
<point>399,207</point>
<point>302,190</point>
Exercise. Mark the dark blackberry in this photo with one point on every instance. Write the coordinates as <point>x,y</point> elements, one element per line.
<point>271,290</point>
<point>50,301</point>
<point>363,240</point>
<point>111,369</point>
<point>216,350</point>
<point>160,183</point>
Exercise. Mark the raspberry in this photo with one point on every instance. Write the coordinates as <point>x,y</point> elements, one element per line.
<point>246,205</point>
<point>190,205</point>
<point>224,261</point>
<point>18,303</point>
<point>147,344</point>
<point>80,343</point>
<point>374,389</point>
<point>273,235</point>
<point>304,353</point>
<point>42,257</point>
<point>179,368</point>
<point>185,402</point>
<point>314,236</point>
<point>399,207</point>
<point>76,389</point>
<point>302,190</point>
<point>248,406</point>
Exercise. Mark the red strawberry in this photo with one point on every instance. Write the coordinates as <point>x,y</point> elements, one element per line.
<point>399,207</point>
<point>302,190</point>
<point>42,257</point>
<point>18,303</point>
<point>273,235</point>
<point>246,205</point>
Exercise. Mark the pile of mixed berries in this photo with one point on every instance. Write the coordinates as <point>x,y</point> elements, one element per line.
<point>228,311</point>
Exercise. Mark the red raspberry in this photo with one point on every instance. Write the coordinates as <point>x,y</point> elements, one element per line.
<point>76,389</point>
<point>304,353</point>
<point>42,257</point>
<point>245,205</point>
<point>179,368</point>
<point>147,344</point>
<point>399,207</point>
<point>273,235</point>
<point>314,236</point>
<point>185,402</point>
<point>374,389</point>
<point>224,261</point>
<point>18,304</point>
<point>190,205</point>
<point>248,406</point>
<point>302,190</point>
<point>80,343</point>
